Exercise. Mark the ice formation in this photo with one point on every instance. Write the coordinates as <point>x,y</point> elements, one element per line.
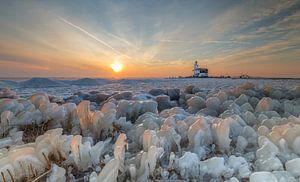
<point>244,133</point>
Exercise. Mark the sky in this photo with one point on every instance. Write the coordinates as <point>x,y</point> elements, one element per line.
<point>151,38</point>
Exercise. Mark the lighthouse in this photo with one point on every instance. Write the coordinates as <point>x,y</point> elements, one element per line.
<point>200,72</point>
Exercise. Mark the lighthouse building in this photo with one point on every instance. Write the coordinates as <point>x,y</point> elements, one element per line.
<point>200,72</point>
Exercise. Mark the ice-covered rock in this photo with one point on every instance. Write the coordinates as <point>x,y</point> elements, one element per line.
<point>148,163</point>
<point>189,165</point>
<point>284,176</point>
<point>195,104</point>
<point>240,165</point>
<point>265,104</point>
<point>213,103</point>
<point>7,93</point>
<point>222,130</point>
<point>242,99</point>
<point>293,166</point>
<point>215,166</point>
<point>267,159</point>
<point>133,109</point>
<point>263,177</point>
<point>149,139</point>
<point>199,134</point>
<point>57,174</point>
<point>163,102</point>
<point>157,91</point>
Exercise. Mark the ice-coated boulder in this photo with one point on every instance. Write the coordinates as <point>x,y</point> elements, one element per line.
<point>247,107</point>
<point>293,166</point>
<point>123,95</point>
<point>240,165</point>
<point>195,104</point>
<point>108,174</point>
<point>38,99</point>
<point>98,97</point>
<point>233,179</point>
<point>133,109</point>
<point>189,89</point>
<point>221,131</point>
<point>241,144</point>
<point>222,96</point>
<point>174,94</point>
<point>296,91</point>
<point>265,104</point>
<point>242,99</point>
<point>215,166</point>
<point>263,177</point>
<point>249,118</point>
<point>157,91</point>
<point>57,174</point>
<point>149,139</point>
<point>189,165</point>
<point>253,101</point>
<point>213,103</point>
<point>84,114</point>
<point>18,159</point>
<point>263,130</point>
<point>163,102</point>
<point>276,94</point>
<point>7,93</point>
<point>148,163</point>
<point>266,156</point>
<point>284,176</point>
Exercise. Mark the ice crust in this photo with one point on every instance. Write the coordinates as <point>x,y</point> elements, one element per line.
<point>247,132</point>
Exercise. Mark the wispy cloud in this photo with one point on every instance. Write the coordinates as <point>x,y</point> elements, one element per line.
<point>202,42</point>
<point>94,37</point>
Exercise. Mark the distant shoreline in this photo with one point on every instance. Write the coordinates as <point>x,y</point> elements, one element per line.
<point>250,78</point>
<point>178,77</point>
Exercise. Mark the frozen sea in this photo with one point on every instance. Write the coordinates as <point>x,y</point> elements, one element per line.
<point>144,85</point>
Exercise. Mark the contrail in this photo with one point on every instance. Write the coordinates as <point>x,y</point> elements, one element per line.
<point>202,42</point>
<point>123,40</point>
<point>93,37</point>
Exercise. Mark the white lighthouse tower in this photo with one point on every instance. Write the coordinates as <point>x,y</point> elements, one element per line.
<point>200,72</point>
<point>196,69</point>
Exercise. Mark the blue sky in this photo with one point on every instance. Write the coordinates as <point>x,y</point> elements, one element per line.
<point>150,38</point>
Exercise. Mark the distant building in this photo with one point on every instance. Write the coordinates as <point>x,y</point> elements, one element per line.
<point>200,72</point>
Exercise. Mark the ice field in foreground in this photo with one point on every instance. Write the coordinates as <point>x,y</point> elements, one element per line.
<point>147,130</point>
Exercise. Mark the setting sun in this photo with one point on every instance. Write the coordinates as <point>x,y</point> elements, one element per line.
<point>117,67</point>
